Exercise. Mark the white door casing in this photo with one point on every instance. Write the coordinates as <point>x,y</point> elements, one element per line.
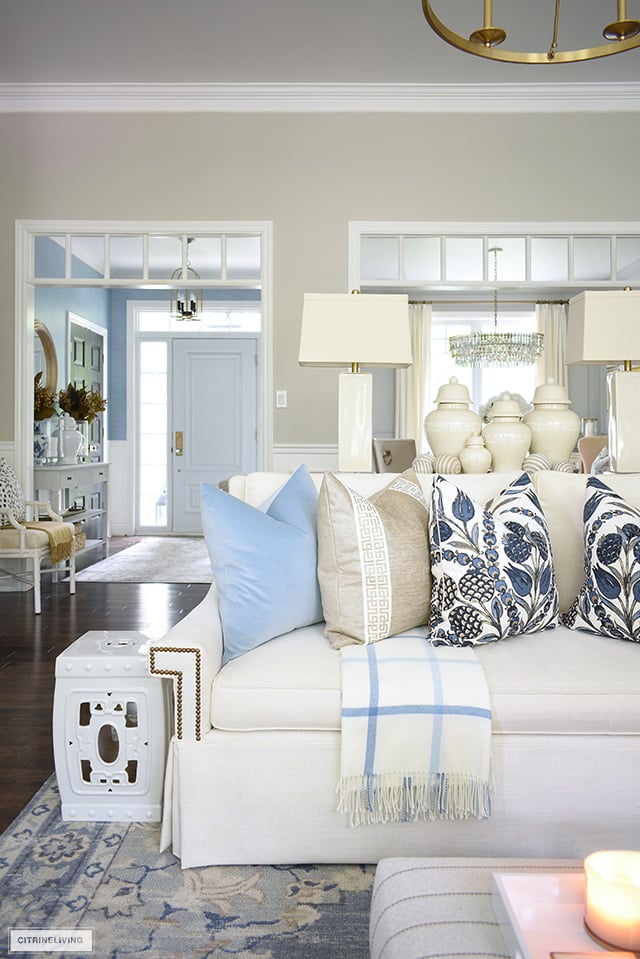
<point>123,451</point>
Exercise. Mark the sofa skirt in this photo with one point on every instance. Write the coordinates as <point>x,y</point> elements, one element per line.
<point>269,798</point>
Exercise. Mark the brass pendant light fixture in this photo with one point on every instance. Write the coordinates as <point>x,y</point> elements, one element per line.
<point>622,34</point>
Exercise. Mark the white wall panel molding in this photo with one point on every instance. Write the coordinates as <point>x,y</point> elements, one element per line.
<point>316,458</point>
<point>7,452</point>
<point>321,97</point>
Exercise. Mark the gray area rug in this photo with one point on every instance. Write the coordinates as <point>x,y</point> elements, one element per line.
<point>155,559</point>
<point>110,877</point>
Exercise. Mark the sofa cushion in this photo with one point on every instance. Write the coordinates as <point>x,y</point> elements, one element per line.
<point>609,599</point>
<point>492,567</point>
<point>263,561</point>
<point>373,563</point>
<point>293,683</point>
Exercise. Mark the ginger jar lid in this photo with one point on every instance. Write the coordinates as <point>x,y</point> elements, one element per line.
<point>550,393</point>
<point>453,392</point>
<point>506,406</point>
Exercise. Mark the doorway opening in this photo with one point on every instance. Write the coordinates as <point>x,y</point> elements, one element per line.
<point>139,257</point>
<point>196,408</point>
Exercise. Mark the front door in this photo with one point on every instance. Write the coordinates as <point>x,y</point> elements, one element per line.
<point>215,419</point>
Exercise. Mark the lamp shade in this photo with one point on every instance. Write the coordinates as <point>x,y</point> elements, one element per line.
<point>604,327</point>
<point>339,329</point>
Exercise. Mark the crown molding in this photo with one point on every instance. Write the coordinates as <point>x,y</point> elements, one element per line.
<point>319,97</point>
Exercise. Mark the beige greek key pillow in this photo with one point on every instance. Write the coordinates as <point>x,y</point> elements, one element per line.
<point>373,560</point>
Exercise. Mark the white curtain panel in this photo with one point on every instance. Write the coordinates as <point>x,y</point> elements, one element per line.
<point>412,384</point>
<point>552,322</point>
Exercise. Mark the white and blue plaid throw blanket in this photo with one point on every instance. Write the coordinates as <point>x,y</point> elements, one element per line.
<point>416,732</point>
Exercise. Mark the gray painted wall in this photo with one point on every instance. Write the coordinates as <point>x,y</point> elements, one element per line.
<point>310,174</point>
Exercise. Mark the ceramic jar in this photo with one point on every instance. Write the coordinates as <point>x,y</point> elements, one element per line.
<point>40,442</point>
<point>554,427</point>
<point>70,440</point>
<point>507,438</point>
<point>475,457</point>
<point>448,426</point>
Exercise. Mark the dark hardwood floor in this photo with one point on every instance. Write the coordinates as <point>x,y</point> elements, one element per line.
<point>29,645</point>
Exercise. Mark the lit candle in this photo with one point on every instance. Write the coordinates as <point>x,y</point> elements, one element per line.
<point>612,910</point>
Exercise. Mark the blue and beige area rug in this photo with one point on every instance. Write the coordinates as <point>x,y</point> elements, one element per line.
<point>110,878</point>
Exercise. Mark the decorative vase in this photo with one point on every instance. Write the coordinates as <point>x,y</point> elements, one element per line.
<point>554,427</point>
<point>506,436</point>
<point>448,426</point>
<point>475,457</point>
<point>70,440</point>
<point>83,453</point>
<point>40,442</point>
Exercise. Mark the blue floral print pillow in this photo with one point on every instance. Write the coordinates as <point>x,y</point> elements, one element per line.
<point>609,600</point>
<point>491,567</point>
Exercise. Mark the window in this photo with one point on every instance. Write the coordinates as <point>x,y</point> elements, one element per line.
<point>486,383</point>
<point>152,433</point>
<point>227,318</point>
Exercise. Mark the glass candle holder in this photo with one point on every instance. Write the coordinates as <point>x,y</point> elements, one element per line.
<point>612,910</point>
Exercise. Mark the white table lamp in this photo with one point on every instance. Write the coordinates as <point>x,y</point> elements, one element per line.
<point>604,328</point>
<point>354,330</point>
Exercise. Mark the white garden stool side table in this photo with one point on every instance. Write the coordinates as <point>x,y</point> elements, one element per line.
<point>111,729</point>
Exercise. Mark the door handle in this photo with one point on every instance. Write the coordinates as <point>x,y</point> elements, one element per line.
<point>179,443</point>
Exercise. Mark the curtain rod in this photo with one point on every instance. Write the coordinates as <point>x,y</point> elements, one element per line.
<point>501,302</point>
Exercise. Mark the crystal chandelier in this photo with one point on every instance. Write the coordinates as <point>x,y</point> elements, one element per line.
<point>622,34</point>
<point>186,304</point>
<point>496,349</point>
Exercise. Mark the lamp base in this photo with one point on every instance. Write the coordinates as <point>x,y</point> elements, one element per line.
<point>355,394</point>
<point>624,436</point>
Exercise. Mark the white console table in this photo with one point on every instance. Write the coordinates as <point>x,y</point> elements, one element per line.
<point>80,493</point>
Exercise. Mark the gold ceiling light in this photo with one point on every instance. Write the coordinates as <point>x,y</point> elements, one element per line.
<point>622,34</point>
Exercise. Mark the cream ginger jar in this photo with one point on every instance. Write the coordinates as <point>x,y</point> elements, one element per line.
<point>554,427</point>
<point>506,437</point>
<point>448,427</point>
<point>475,457</point>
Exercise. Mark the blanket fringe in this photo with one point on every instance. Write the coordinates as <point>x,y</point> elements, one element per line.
<point>411,798</point>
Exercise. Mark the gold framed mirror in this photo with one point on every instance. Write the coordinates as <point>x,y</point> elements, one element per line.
<point>50,379</point>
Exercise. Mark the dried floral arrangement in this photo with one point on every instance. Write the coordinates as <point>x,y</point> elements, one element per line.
<point>81,403</point>
<point>44,400</point>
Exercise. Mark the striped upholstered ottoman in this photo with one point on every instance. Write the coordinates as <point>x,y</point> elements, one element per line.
<point>437,908</point>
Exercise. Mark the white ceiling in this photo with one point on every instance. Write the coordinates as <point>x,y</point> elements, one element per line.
<point>291,41</point>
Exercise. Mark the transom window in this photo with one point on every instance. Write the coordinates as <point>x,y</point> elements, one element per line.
<point>440,258</point>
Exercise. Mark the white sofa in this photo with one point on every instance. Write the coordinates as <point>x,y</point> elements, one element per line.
<point>254,763</point>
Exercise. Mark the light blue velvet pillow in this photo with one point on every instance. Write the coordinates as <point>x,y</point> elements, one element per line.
<point>264,562</point>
